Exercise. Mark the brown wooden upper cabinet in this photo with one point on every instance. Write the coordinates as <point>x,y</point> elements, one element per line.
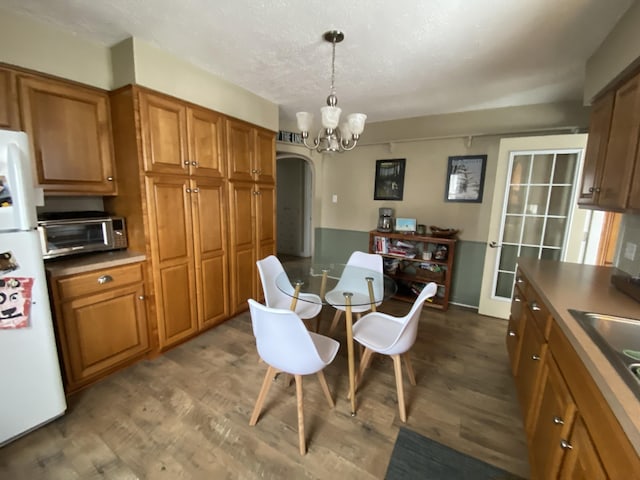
<point>179,138</point>
<point>612,149</point>
<point>9,119</point>
<point>250,153</point>
<point>69,127</point>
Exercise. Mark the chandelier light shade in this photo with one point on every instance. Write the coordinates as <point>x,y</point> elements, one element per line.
<point>333,136</point>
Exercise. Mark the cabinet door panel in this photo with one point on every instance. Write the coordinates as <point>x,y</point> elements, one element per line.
<point>70,131</point>
<point>104,330</point>
<point>177,308</point>
<point>514,329</point>
<point>599,127</point>
<point>242,245</point>
<point>265,208</point>
<point>211,250</point>
<point>206,143</point>
<point>621,149</point>
<point>266,156</point>
<point>164,133</point>
<point>240,151</point>
<point>170,203</point>
<point>553,421</point>
<point>581,462</point>
<point>8,101</point>
<point>532,354</point>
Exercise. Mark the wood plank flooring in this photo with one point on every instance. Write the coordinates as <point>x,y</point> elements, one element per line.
<point>186,414</point>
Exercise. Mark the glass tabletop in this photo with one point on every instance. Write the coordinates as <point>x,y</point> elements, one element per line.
<point>336,284</point>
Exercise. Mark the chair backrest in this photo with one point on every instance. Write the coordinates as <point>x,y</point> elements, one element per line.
<point>283,341</point>
<point>407,336</point>
<point>269,269</point>
<point>369,261</point>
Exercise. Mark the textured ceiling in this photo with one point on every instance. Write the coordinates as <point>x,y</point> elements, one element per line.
<point>399,59</point>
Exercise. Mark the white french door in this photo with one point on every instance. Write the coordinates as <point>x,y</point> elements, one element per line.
<point>532,211</point>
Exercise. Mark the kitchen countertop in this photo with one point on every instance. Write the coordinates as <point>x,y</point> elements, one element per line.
<point>91,261</point>
<point>585,287</point>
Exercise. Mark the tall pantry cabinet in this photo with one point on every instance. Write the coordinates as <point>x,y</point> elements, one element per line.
<point>252,203</point>
<point>170,157</point>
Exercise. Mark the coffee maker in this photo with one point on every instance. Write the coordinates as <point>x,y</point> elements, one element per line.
<point>385,221</point>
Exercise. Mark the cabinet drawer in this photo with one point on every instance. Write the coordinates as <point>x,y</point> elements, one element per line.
<point>99,280</point>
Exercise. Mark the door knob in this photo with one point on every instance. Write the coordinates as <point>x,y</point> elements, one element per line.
<point>493,244</point>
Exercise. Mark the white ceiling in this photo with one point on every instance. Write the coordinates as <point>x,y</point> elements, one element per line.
<point>399,59</point>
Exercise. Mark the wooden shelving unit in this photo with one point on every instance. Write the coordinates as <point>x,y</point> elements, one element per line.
<point>415,260</point>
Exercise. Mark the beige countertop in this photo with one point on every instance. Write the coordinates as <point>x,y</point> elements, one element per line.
<point>93,261</point>
<point>565,286</point>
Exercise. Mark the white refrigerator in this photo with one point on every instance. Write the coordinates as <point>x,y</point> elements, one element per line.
<point>31,392</point>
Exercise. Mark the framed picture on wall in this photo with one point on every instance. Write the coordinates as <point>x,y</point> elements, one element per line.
<point>465,178</point>
<point>389,184</point>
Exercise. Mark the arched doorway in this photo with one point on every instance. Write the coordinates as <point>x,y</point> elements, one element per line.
<point>294,205</point>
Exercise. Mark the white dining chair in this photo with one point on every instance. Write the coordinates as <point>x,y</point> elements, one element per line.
<point>308,305</point>
<point>356,285</point>
<point>285,345</point>
<point>394,336</point>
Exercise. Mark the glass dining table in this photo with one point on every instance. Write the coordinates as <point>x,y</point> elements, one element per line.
<point>344,287</point>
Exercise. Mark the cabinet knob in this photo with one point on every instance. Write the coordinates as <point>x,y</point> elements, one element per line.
<point>195,190</point>
<point>519,280</point>
<point>516,298</point>
<point>535,357</point>
<point>186,162</point>
<point>535,307</point>
<point>194,164</point>
<point>141,297</point>
<point>565,445</point>
<point>188,190</point>
<point>558,421</point>
<point>105,279</point>
<point>512,333</point>
<point>109,179</point>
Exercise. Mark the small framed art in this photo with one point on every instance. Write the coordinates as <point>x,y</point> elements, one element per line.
<point>465,178</point>
<point>389,184</point>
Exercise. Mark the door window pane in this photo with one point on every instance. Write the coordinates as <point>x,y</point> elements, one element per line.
<point>508,257</point>
<point>551,254</point>
<point>559,201</point>
<point>504,284</point>
<point>520,169</point>
<point>554,232</point>
<point>517,199</point>
<point>529,252</point>
<point>542,167</point>
<point>537,202</point>
<point>512,229</point>
<point>532,230</point>
<point>565,169</point>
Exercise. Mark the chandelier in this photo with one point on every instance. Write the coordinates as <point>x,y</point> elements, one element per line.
<point>332,138</point>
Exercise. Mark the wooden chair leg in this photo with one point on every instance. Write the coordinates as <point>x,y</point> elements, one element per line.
<point>317,323</point>
<point>397,366</point>
<point>266,384</point>
<point>365,361</point>
<point>334,324</point>
<point>325,388</point>
<point>407,363</point>
<point>303,447</point>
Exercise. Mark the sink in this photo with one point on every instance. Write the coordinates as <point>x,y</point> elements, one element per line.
<point>619,340</point>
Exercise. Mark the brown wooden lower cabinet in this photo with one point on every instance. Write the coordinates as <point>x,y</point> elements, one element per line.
<point>101,322</point>
<point>571,431</point>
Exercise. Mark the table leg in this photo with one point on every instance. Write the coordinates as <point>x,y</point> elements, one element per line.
<point>352,368</point>
<point>296,293</point>
<point>371,295</point>
<point>323,284</point>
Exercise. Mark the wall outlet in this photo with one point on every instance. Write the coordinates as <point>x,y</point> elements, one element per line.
<point>334,198</point>
<point>630,251</point>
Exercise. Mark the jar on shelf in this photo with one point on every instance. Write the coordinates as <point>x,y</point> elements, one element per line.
<point>441,252</point>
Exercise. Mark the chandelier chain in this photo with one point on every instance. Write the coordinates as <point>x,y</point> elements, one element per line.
<point>333,66</point>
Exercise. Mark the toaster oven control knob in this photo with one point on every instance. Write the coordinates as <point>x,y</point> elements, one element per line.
<point>105,279</point>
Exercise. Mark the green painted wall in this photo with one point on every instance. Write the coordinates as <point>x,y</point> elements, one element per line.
<point>335,246</point>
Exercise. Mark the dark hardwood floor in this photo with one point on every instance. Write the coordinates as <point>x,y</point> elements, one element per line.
<point>186,413</point>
